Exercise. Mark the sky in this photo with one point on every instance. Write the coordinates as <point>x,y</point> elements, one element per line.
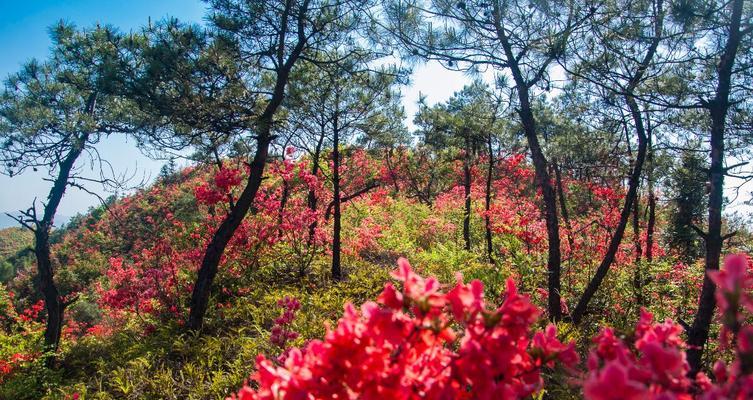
<point>24,35</point>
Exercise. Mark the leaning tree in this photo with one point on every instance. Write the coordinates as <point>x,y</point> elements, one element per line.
<point>52,115</point>
<point>272,38</point>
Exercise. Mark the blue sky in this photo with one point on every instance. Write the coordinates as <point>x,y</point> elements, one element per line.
<point>24,34</point>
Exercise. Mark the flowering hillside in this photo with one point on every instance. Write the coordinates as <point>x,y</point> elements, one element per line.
<point>477,330</point>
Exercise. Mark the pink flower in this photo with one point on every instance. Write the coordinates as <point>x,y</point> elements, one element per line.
<point>613,383</point>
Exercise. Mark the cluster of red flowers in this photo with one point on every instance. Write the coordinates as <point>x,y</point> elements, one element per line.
<point>32,313</point>
<point>224,180</point>
<point>407,347</point>
<point>281,332</point>
<point>734,296</point>
<point>7,367</point>
<point>227,178</point>
<point>660,369</point>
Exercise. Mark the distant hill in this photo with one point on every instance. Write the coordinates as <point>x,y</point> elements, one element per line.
<point>12,240</point>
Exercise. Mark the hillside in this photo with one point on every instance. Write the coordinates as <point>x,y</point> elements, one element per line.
<point>13,240</point>
<point>131,279</point>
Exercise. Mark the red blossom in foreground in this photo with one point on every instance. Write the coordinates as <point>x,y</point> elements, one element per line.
<point>735,296</point>
<point>406,348</point>
<point>657,369</point>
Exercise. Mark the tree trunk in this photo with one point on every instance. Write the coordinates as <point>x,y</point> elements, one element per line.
<point>52,301</point>
<point>637,274</point>
<point>614,244</point>
<point>650,227</point>
<point>312,199</point>
<point>467,191</point>
<point>488,201</point>
<point>718,108</point>
<point>550,210</point>
<point>336,267</point>
<point>543,180</point>
<point>223,234</point>
<point>635,177</point>
<point>566,219</point>
<point>637,229</point>
<point>651,224</point>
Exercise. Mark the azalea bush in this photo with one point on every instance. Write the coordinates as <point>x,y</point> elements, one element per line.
<point>422,342</point>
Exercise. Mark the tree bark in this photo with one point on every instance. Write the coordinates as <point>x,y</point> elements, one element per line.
<point>467,191</point>
<point>53,303</point>
<point>718,108</point>
<point>637,229</point>
<point>542,179</point>
<point>637,273</point>
<point>488,201</point>
<point>336,267</point>
<point>651,224</point>
<point>224,233</point>
<point>311,198</point>
<point>566,219</point>
<point>614,243</point>
<point>635,176</point>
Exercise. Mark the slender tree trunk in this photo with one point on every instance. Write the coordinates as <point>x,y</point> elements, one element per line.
<point>718,108</point>
<point>52,301</point>
<point>554,257</point>
<point>467,191</point>
<point>635,177</point>
<point>312,199</point>
<point>336,267</point>
<point>488,201</point>
<point>637,273</point>
<point>637,229</point>
<point>563,206</point>
<point>566,219</point>
<point>614,243</point>
<point>223,234</point>
<point>543,181</point>
<point>651,224</point>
